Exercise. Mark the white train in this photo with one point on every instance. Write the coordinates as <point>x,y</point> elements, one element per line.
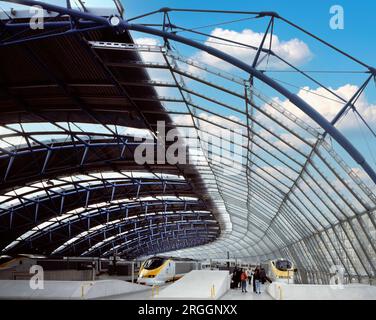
<point>159,270</point>
<point>280,270</point>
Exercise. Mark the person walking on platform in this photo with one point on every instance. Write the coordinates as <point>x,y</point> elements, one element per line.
<point>257,280</point>
<point>243,279</point>
<point>254,280</point>
<point>249,275</point>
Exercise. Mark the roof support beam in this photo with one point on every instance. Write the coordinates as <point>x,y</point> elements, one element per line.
<point>295,99</point>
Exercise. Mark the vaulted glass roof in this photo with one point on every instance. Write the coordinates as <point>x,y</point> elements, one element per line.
<point>268,173</point>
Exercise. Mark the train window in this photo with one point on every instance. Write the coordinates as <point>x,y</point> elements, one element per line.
<point>283,265</point>
<point>153,263</point>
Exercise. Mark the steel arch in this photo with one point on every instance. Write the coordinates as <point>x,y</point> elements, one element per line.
<point>297,101</point>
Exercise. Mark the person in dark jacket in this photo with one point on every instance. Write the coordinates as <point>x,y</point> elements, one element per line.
<point>264,277</point>
<point>238,277</point>
<point>253,280</point>
<point>256,281</point>
<point>235,278</point>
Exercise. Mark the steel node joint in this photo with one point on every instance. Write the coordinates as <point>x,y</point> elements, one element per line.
<point>172,26</point>
<point>372,70</point>
<point>164,9</point>
<point>268,14</point>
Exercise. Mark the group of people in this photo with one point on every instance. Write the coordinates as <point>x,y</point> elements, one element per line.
<point>255,277</point>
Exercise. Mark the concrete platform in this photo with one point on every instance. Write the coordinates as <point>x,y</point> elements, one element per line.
<point>148,294</point>
<point>237,294</point>
<point>281,291</point>
<point>138,295</point>
<point>63,290</point>
<point>198,284</point>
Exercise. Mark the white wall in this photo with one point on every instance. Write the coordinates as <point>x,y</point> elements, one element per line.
<point>20,289</point>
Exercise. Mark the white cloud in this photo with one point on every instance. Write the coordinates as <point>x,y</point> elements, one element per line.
<point>329,108</point>
<point>364,177</point>
<point>150,56</point>
<point>221,121</point>
<point>286,136</point>
<point>277,173</point>
<point>214,120</point>
<point>156,57</point>
<point>294,50</point>
<point>147,41</point>
<point>220,137</point>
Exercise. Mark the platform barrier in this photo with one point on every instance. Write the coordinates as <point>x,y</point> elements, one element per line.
<point>154,291</point>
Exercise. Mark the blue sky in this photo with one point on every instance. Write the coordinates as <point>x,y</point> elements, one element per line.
<point>357,38</point>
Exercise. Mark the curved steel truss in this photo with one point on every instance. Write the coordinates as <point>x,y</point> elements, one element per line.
<point>263,180</point>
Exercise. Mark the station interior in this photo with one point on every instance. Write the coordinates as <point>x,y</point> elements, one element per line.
<point>143,159</point>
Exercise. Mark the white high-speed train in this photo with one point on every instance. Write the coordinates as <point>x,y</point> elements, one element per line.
<point>280,270</point>
<point>159,270</point>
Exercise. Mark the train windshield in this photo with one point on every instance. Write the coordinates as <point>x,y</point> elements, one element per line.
<point>153,263</point>
<point>4,259</point>
<point>283,265</point>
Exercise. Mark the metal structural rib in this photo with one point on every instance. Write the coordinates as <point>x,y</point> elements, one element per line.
<point>281,189</point>
<point>70,125</point>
